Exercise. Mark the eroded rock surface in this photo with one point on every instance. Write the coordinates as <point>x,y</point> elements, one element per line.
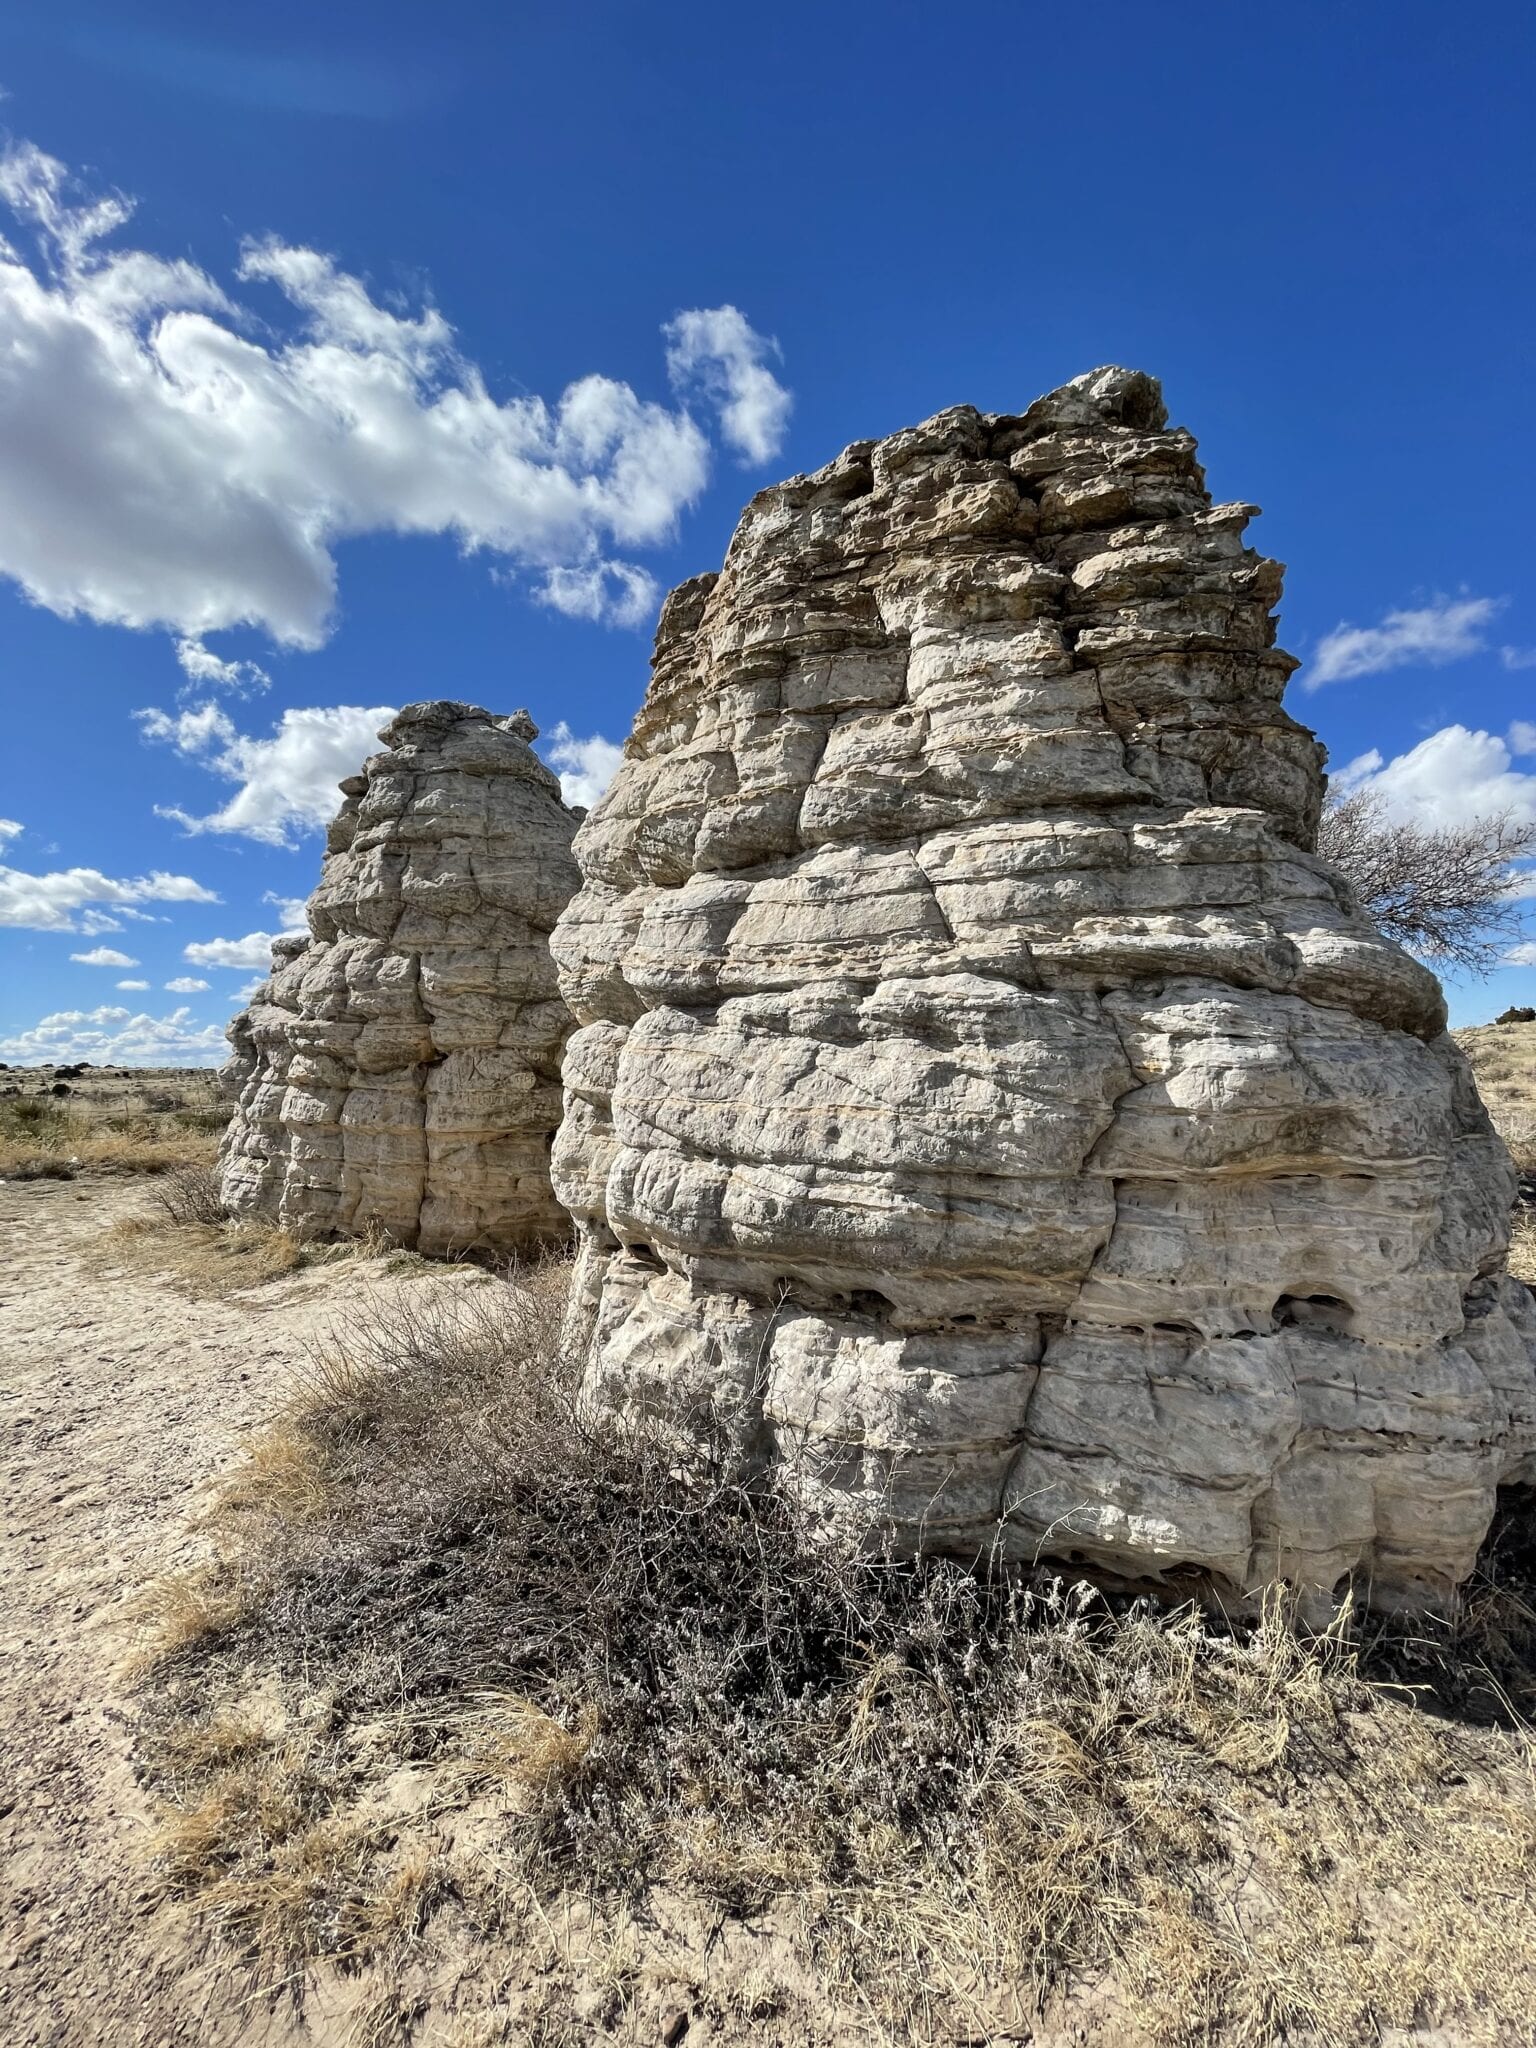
<point>401,1067</point>
<point>983,1097</point>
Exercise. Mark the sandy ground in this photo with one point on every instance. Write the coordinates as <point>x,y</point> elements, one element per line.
<point>118,1396</point>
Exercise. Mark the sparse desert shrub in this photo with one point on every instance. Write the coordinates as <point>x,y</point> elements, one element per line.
<point>32,1113</point>
<point>41,1138</point>
<point>965,1787</point>
<point>191,1194</point>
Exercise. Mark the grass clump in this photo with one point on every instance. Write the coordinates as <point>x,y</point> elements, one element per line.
<point>190,1239</point>
<point>625,1677</point>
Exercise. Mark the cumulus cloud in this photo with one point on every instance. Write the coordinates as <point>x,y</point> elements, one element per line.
<point>104,956</point>
<point>9,829</point>
<point>609,593</point>
<point>287,781</point>
<point>293,910</point>
<point>585,767</point>
<point>186,985</point>
<point>1450,778</point>
<point>1522,737</point>
<point>204,669</point>
<point>132,984</point>
<point>58,902</point>
<point>1445,630</point>
<point>114,1036</point>
<point>254,950</point>
<point>169,459</point>
<point>717,352</point>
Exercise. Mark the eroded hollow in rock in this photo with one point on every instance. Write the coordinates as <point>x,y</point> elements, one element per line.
<point>1019,1131</point>
<point>400,1069</point>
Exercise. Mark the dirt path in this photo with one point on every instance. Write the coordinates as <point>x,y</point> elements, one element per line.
<point>118,1395</point>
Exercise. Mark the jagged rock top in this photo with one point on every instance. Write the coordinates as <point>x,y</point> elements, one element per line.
<point>983,1092</point>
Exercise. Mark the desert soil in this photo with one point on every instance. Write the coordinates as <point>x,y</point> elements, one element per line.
<point>118,1398</point>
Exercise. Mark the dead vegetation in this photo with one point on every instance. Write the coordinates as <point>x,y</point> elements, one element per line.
<point>106,1126</point>
<point>472,1665</point>
<point>186,1235</point>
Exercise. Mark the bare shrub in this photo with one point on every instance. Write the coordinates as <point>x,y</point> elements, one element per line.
<point>1442,891</point>
<point>191,1194</point>
<point>964,1788</point>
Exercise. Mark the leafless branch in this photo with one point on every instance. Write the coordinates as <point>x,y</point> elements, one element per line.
<point>1442,891</point>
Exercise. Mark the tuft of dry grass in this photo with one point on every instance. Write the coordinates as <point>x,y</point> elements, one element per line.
<point>187,1237</point>
<point>962,1792</point>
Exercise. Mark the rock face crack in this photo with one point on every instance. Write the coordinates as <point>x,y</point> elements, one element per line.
<point>1129,1107</point>
<point>399,1069</point>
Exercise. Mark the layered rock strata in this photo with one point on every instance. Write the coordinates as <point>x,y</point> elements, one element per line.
<point>984,1099</point>
<point>400,1069</point>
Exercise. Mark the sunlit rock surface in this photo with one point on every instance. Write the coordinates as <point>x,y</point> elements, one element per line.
<point>984,1100</point>
<point>400,1069</point>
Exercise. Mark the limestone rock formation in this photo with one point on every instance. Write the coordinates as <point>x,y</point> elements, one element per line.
<point>401,1066</point>
<point>984,1099</point>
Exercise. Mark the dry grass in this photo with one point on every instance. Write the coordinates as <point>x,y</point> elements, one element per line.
<point>472,1606</point>
<point>186,1236</point>
<point>1503,1058</point>
<point>1522,1247</point>
<point>118,1131</point>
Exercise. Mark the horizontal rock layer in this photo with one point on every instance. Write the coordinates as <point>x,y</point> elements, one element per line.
<point>984,1098</point>
<point>400,1069</point>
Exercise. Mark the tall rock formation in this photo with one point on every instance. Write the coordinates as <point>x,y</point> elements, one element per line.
<point>401,1066</point>
<point>984,1100</point>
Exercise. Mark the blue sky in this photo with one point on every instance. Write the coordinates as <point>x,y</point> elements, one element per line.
<point>426,367</point>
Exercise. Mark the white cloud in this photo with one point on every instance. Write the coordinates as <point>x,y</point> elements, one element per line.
<point>57,902</point>
<point>1518,657</point>
<point>586,767</point>
<point>133,984</point>
<point>202,666</point>
<point>293,910</point>
<point>1523,955</point>
<point>1450,778</point>
<point>288,781</point>
<point>9,829</point>
<point>247,989</point>
<point>254,950</point>
<point>608,593</point>
<point>169,459</point>
<point>185,985</point>
<point>1448,629</point>
<point>104,956</point>
<point>114,1036</point>
<point>717,351</point>
<point>1522,737</point>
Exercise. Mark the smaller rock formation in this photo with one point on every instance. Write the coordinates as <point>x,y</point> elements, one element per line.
<point>401,1067</point>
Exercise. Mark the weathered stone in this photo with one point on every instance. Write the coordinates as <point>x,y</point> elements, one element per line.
<point>400,1069</point>
<point>984,1098</point>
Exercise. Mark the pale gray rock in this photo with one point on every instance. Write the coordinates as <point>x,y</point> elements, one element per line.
<point>400,1069</point>
<point>985,1102</point>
